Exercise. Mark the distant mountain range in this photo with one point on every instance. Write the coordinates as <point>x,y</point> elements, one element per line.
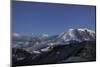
<point>70,34</point>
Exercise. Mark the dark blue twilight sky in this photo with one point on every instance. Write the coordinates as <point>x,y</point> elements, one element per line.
<point>38,18</point>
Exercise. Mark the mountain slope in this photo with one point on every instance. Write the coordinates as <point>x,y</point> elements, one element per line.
<point>82,52</point>
<point>73,45</point>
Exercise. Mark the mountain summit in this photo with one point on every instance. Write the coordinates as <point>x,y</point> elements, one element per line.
<point>77,35</point>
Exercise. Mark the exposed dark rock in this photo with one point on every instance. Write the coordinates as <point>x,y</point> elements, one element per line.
<point>84,51</point>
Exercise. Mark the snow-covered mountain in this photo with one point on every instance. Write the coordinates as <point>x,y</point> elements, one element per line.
<point>65,38</point>
<point>69,46</point>
<point>77,35</point>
